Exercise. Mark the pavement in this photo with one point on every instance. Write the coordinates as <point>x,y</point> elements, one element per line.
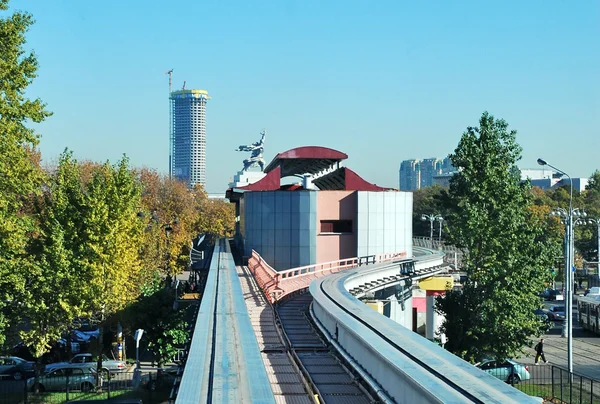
<point>585,349</point>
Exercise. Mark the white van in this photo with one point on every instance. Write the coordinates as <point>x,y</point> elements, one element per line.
<point>594,290</point>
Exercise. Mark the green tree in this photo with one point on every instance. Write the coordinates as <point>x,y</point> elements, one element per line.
<point>507,259</point>
<point>594,182</point>
<point>164,328</point>
<point>55,295</point>
<point>20,175</point>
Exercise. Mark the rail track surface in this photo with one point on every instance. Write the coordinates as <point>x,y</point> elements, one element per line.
<point>301,366</point>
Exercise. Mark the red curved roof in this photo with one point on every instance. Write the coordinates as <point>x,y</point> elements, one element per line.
<point>311,160</point>
<point>346,179</point>
<point>305,160</point>
<point>312,152</point>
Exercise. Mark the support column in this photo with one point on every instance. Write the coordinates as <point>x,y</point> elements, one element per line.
<point>430,315</point>
<point>434,286</point>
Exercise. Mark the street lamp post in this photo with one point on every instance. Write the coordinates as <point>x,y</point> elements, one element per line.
<point>432,218</point>
<point>568,216</point>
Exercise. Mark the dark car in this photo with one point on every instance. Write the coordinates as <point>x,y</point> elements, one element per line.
<point>541,314</point>
<point>556,313</point>
<point>16,368</point>
<point>555,294</point>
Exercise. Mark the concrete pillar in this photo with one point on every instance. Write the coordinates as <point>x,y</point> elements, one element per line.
<point>430,316</point>
<point>408,313</point>
<point>433,319</point>
<point>400,313</point>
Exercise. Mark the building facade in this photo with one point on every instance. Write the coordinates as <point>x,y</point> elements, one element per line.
<point>410,175</point>
<point>187,157</point>
<point>343,216</point>
<point>417,174</point>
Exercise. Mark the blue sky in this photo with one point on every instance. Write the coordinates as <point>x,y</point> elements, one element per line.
<point>383,81</point>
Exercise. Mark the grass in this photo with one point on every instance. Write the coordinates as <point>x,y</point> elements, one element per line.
<point>545,391</point>
<point>536,390</point>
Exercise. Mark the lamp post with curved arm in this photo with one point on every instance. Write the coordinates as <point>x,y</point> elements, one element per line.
<point>567,217</point>
<point>432,218</point>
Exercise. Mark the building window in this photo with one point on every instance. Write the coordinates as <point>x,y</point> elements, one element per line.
<point>336,226</point>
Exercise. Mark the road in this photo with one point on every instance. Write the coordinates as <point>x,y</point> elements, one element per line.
<point>586,349</point>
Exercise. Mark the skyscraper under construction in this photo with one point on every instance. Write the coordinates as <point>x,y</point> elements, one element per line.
<point>187,157</point>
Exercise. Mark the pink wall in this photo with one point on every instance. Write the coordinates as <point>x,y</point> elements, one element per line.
<point>420,304</point>
<point>336,205</point>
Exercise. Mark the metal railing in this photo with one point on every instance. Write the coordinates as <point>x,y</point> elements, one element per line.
<point>554,384</point>
<point>150,389</point>
<point>279,284</point>
<point>453,255</point>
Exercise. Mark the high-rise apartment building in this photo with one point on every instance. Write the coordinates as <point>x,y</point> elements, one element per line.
<point>187,158</point>
<point>410,175</point>
<point>416,174</point>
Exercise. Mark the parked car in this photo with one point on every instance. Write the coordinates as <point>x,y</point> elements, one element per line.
<point>78,378</point>
<point>507,370</point>
<point>86,360</point>
<point>556,313</point>
<point>541,314</point>
<point>159,380</point>
<point>16,368</point>
<point>552,294</point>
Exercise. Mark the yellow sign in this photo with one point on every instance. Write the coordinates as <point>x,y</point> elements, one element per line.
<point>437,283</point>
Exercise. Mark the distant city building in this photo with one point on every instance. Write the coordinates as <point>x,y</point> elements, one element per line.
<point>546,178</point>
<point>443,180</point>
<point>217,197</point>
<point>187,158</point>
<point>417,174</point>
<point>410,175</point>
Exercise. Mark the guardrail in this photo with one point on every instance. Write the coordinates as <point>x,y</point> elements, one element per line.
<point>453,255</point>
<point>279,284</point>
<point>401,365</point>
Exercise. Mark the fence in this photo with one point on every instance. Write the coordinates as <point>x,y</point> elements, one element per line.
<point>553,383</point>
<point>453,254</point>
<point>56,390</point>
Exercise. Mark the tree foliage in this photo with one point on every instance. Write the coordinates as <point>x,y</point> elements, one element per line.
<point>54,298</point>
<point>164,328</point>
<point>20,174</point>
<point>507,257</point>
<point>163,201</point>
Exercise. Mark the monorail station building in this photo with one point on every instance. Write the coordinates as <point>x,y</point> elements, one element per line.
<point>330,214</point>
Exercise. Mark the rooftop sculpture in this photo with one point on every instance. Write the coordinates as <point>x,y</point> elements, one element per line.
<point>256,158</point>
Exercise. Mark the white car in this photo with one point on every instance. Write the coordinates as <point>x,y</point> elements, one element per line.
<point>86,360</point>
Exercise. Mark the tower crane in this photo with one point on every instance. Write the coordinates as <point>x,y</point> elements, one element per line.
<point>170,73</point>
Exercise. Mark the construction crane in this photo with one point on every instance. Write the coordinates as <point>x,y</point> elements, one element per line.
<point>170,73</point>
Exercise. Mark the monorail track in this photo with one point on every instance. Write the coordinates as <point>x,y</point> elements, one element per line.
<point>324,371</point>
<point>300,364</point>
